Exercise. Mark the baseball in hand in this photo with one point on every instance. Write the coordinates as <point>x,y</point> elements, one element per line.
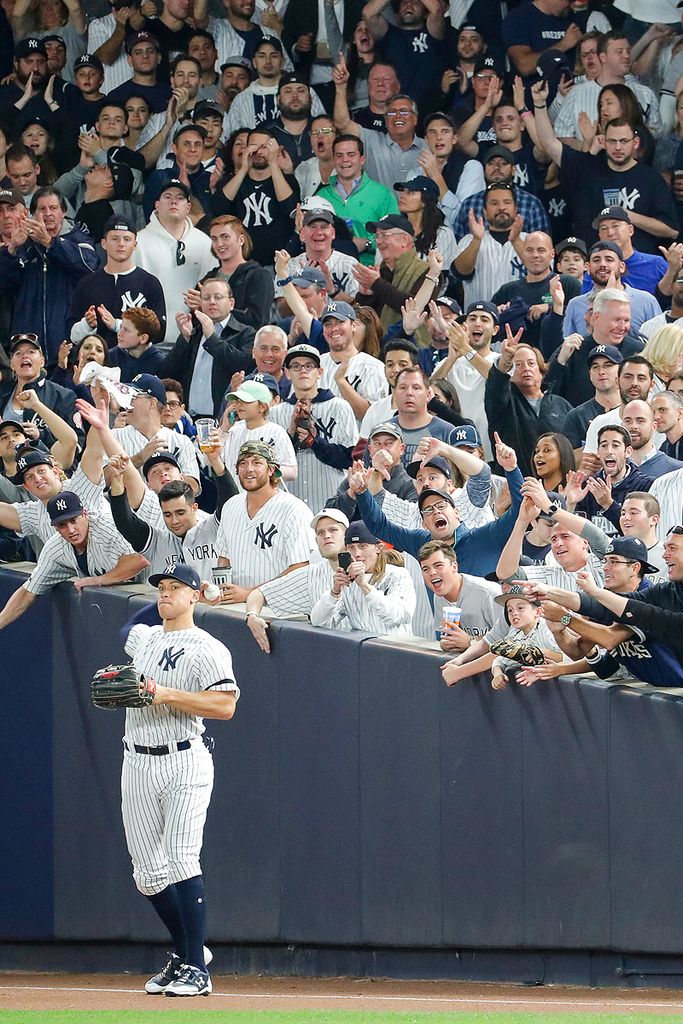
<point>211,592</point>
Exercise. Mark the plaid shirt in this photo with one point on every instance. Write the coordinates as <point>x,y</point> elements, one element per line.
<point>528,206</point>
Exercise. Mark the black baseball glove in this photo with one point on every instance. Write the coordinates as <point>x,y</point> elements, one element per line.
<point>121,686</point>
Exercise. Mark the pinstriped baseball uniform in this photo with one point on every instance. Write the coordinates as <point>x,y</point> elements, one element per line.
<point>553,575</point>
<point>387,610</point>
<point>57,561</point>
<point>196,548</point>
<point>271,432</point>
<point>668,490</point>
<point>298,591</point>
<point>149,510</point>
<point>279,535</point>
<point>35,522</point>
<point>335,422</point>
<point>340,266</point>
<point>132,442</point>
<point>364,373</point>
<point>164,799</point>
<point>496,264</point>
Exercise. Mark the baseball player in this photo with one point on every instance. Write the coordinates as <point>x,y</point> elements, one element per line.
<point>322,426</point>
<point>265,532</point>
<point>144,435</point>
<point>297,592</point>
<point>88,547</point>
<point>167,775</point>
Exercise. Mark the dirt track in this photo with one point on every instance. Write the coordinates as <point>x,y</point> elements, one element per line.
<point>123,992</point>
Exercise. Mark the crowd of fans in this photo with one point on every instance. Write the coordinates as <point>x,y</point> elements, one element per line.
<point>371,312</point>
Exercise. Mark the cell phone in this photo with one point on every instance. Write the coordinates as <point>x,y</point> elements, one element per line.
<point>344,558</point>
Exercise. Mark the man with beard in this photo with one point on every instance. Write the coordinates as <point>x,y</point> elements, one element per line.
<point>30,64</point>
<point>261,196</point>
<point>236,75</point>
<point>236,33</point>
<point>635,380</point>
<point>606,266</point>
<point>456,80</point>
<point>500,165</point>
<point>414,45</point>
<point>638,419</point>
<point>258,102</point>
<point>202,46</point>
<point>291,127</point>
<point>490,254</point>
<point>144,57</point>
<point>107,37</point>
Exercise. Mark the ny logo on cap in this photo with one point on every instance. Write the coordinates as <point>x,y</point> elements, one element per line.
<point>61,505</point>
<point>332,307</point>
<point>460,435</point>
<point>33,44</point>
<point>22,463</point>
<point>571,239</point>
<point>603,212</point>
<point>488,62</point>
<point>600,348</point>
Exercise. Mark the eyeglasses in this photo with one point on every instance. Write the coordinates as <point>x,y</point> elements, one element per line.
<point>439,506</point>
<point>618,561</point>
<point>303,367</point>
<point>180,253</point>
<point>398,113</point>
<point>171,405</point>
<point>323,131</point>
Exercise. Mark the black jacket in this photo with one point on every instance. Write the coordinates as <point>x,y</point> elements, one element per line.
<point>572,380</point>
<point>301,17</point>
<point>60,400</point>
<point>231,351</point>
<point>253,289</point>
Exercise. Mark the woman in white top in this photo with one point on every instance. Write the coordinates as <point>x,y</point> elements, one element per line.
<point>251,404</point>
<point>370,594</point>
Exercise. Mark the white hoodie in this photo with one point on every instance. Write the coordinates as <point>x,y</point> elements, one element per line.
<point>158,252</point>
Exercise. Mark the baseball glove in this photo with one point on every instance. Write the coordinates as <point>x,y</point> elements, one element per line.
<point>121,686</point>
<point>525,654</point>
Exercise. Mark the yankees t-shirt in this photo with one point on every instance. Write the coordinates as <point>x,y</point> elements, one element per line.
<point>266,218</point>
<point>527,26</point>
<point>592,185</point>
<point>419,59</point>
<point>135,288</point>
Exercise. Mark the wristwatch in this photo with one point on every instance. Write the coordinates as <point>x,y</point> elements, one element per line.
<point>469,356</point>
<point>553,509</point>
<point>566,619</point>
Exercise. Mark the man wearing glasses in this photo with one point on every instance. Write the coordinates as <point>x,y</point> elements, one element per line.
<point>174,250</point>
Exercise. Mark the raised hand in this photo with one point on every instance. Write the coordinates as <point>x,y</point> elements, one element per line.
<point>340,74</point>
<point>412,318</point>
<point>539,92</point>
<point>601,489</point>
<point>435,261</point>
<point>506,456</point>
<point>476,225</point>
<point>576,487</point>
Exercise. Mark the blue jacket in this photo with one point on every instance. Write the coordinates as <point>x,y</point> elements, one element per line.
<point>44,281</point>
<point>478,550</point>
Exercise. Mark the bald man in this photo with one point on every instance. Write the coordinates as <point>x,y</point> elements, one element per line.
<point>534,288</point>
<point>638,419</point>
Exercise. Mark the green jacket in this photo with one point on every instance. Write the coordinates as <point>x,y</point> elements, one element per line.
<point>368,202</point>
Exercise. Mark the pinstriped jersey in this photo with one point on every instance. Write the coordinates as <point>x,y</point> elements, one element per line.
<point>387,610</point>
<point>298,591</point>
<point>186,659</point>
<point>279,535</point>
<point>132,442</point>
<point>149,510</point>
<point>364,373</point>
<point>668,490</point>
<point>35,522</point>
<point>271,432</point>
<point>196,548</point>
<point>57,561</point>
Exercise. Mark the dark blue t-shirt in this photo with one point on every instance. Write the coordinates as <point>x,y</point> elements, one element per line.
<point>418,57</point>
<point>527,26</point>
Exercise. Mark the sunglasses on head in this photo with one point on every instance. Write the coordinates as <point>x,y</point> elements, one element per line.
<point>677,531</point>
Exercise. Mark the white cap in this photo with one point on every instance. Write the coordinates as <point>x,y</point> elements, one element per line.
<point>314,203</point>
<point>330,513</point>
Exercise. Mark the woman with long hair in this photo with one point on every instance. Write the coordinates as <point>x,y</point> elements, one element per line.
<point>359,59</point>
<point>251,284</point>
<point>36,137</point>
<point>418,201</point>
<point>617,100</point>
<point>368,331</point>
<point>374,593</point>
<point>552,459</point>
<point>72,358</point>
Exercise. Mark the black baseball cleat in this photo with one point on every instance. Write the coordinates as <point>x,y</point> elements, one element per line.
<point>160,982</point>
<point>189,981</point>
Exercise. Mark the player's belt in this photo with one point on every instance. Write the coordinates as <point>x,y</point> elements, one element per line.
<point>158,751</point>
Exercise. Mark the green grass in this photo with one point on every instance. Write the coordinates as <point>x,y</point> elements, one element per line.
<point>317,1017</point>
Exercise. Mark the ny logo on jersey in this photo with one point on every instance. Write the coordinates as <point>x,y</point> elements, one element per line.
<point>265,537</point>
<point>128,302</point>
<point>556,208</point>
<point>521,176</point>
<point>169,659</point>
<point>257,210</point>
<point>354,382</point>
<point>517,268</point>
<point>421,43</point>
<point>629,199</point>
<point>326,429</point>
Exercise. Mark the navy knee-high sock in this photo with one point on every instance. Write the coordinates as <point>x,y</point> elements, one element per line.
<point>192,903</point>
<point>167,905</point>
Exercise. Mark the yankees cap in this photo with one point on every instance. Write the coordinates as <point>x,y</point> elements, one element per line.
<point>572,244</point>
<point>358,533</point>
<point>238,62</point>
<point>148,384</point>
<point>610,352</point>
<point>88,60</point>
<point>437,462</point>
<point>159,457</point>
<point>65,505</point>
<point>420,183</point>
<point>433,492</point>
<point>307,276</point>
<point>264,378</point>
<point>633,549</point>
<point>24,339</point>
<point>176,183</point>
<point>390,427</point>
<point>14,425</point>
<point>606,246</point>
<point>141,37</point>
<point>181,572</point>
<point>302,350</point>
<point>27,461</point>
<point>516,593</point>
<point>611,213</point>
<point>391,222</point>
<point>466,436</point>
<point>338,311</point>
<point>330,513</point>
<point>484,307</point>
<point>12,196</point>
<point>488,63</point>
<point>118,223</point>
<point>27,47</point>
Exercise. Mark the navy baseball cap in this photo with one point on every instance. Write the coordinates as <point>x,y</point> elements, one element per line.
<point>446,300</point>
<point>610,352</point>
<point>154,460</point>
<point>438,462</point>
<point>433,492</point>
<point>438,116</point>
<point>292,79</point>
<point>25,338</point>
<point>389,222</point>
<point>421,183</point>
<point>572,243</point>
<point>307,276</point>
<point>27,47</point>
<point>634,549</point>
<point>265,378</point>
<point>190,127</point>
<point>176,182</point>
<point>117,223</point>
<point>484,307</point>
<point>207,109</point>
<point>611,213</point>
<point>148,384</point>
<point>338,311</point>
<point>500,151</point>
<point>141,37</point>
<point>358,533</point>
<point>487,63</point>
<point>272,41</point>
<point>302,350</point>
<point>27,461</point>
<point>606,246</point>
<point>15,425</point>
<point>179,571</point>
<point>88,60</point>
<point>65,505</point>
<point>466,436</point>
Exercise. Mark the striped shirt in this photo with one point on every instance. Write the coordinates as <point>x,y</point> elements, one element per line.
<point>35,522</point>
<point>132,442</point>
<point>364,373</point>
<point>496,264</point>
<point>298,591</point>
<point>386,610</point>
<point>57,561</point>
